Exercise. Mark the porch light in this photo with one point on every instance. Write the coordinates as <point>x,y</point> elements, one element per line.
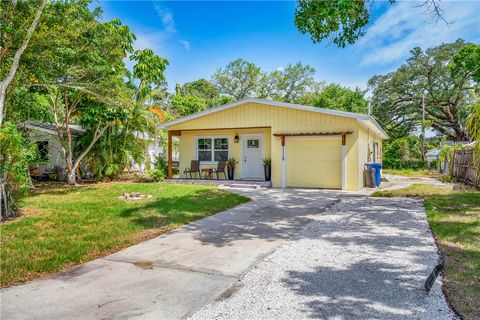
<point>236,139</point>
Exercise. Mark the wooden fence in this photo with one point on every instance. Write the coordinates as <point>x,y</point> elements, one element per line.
<point>464,169</point>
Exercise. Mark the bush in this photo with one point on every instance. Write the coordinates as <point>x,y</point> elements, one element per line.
<point>389,163</point>
<point>160,169</point>
<point>16,154</point>
<point>157,175</point>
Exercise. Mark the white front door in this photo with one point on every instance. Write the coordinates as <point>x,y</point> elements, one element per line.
<point>252,167</point>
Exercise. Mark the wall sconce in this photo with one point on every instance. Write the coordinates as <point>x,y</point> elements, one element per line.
<point>236,139</point>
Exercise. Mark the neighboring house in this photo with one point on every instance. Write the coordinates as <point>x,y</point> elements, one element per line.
<point>45,136</point>
<point>432,155</point>
<point>49,147</point>
<point>309,147</point>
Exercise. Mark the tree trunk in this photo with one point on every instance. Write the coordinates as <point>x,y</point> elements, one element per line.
<point>16,58</point>
<point>71,179</point>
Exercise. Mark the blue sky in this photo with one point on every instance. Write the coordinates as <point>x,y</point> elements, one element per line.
<point>199,37</point>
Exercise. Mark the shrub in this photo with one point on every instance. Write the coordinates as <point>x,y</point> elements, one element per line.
<point>157,175</point>
<point>16,154</point>
<point>160,169</point>
<point>389,163</point>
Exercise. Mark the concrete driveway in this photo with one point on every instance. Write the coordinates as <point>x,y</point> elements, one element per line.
<point>175,274</point>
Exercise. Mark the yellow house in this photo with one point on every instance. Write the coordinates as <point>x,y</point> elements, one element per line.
<point>309,147</point>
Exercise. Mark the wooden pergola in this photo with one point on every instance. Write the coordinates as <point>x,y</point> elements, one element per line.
<point>313,134</point>
<point>342,134</point>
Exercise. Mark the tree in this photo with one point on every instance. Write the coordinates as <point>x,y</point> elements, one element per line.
<point>16,153</point>
<point>149,69</point>
<point>343,21</point>
<point>186,105</point>
<point>78,63</point>
<point>397,96</point>
<point>10,36</point>
<point>201,88</point>
<point>127,138</point>
<point>292,82</point>
<point>239,79</point>
<point>467,59</point>
<point>334,96</point>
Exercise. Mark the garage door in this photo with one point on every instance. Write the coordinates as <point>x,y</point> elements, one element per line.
<point>314,162</point>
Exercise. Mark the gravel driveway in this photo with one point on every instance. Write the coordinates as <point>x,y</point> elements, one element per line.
<point>362,258</point>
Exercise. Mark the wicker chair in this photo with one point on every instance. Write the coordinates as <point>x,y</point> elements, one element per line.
<point>220,169</point>
<point>194,168</point>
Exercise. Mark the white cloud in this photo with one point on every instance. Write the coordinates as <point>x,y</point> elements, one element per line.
<point>185,44</point>
<point>405,26</point>
<point>166,16</point>
<point>280,68</point>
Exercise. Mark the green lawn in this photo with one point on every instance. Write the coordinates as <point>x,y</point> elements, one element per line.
<point>454,218</point>
<point>63,226</point>
<point>412,173</point>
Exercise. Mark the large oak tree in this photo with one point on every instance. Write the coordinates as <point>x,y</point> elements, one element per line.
<point>397,96</point>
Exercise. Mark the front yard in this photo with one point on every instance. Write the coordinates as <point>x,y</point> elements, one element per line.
<point>62,226</point>
<point>454,218</point>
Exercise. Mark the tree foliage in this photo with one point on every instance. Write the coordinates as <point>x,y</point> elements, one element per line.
<point>397,96</point>
<point>16,154</point>
<point>77,63</point>
<point>467,59</point>
<point>238,79</point>
<point>344,21</point>
<point>291,83</point>
<point>200,88</point>
<point>334,96</point>
<point>241,79</point>
<point>14,39</point>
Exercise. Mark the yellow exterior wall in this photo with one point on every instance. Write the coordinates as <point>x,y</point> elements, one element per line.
<point>366,139</point>
<point>279,120</point>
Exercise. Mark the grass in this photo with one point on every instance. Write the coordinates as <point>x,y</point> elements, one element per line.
<point>413,173</point>
<point>454,218</point>
<point>62,226</point>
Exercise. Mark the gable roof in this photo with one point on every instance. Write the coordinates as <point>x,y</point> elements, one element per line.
<point>364,119</point>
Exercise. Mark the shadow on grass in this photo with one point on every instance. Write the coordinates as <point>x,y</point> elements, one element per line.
<point>181,209</point>
<point>59,189</point>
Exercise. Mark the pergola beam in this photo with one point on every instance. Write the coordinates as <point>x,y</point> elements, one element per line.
<point>311,134</point>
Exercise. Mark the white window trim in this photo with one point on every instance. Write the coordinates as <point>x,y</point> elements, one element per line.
<point>213,150</point>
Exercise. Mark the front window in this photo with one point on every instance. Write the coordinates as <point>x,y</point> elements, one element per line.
<point>212,149</point>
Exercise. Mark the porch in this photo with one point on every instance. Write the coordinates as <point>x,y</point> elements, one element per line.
<point>248,146</point>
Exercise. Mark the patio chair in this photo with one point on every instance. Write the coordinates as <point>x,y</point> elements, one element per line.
<point>194,168</point>
<point>220,169</point>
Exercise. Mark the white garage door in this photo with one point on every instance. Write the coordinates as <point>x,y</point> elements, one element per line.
<point>314,162</point>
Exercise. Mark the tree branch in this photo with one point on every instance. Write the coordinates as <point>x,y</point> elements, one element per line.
<point>18,54</point>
